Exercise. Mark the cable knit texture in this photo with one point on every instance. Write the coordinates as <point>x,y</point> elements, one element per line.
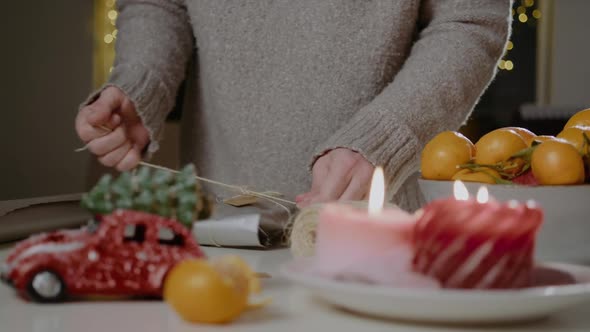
<point>271,85</point>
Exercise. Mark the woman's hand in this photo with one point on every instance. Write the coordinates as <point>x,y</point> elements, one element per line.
<point>112,130</point>
<point>340,174</point>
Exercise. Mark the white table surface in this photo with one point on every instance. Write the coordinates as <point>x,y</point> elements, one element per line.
<point>293,309</point>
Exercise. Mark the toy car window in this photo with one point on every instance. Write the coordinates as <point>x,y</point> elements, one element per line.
<point>134,233</point>
<point>169,237</point>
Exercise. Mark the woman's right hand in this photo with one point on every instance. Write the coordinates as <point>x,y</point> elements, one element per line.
<point>112,130</point>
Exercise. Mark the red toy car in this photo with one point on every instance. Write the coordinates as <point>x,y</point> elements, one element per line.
<point>128,253</point>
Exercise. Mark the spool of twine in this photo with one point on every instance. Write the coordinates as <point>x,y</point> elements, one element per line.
<point>302,229</point>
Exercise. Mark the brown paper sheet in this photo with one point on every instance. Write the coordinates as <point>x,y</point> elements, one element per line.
<point>21,218</point>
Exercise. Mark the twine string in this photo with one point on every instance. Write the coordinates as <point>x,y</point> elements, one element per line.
<point>240,189</point>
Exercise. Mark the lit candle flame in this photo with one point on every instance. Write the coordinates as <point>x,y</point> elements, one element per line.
<point>460,191</point>
<point>377,193</point>
<point>483,195</point>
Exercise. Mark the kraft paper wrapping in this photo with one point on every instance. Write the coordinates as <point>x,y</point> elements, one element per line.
<point>262,224</point>
<point>23,217</point>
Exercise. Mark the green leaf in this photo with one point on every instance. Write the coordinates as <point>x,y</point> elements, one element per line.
<point>123,185</point>
<point>163,201</point>
<point>86,202</point>
<point>473,166</point>
<point>144,201</point>
<point>162,178</point>
<point>174,188</point>
<point>187,198</point>
<point>501,181</point>
<point>98,199</point>
<point>123,189</point>
<point>124,203</point>
<point>186,178</point>
<point>104,207</point>
<point>183,195</point>
<point>102,186</point>
<point>185,215</point>
<point>525,153</point>
<point>143,179</point>
<point>162,195</point>
<point>525,168</point>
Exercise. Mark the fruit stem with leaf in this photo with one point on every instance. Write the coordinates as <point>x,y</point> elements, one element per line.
<point>518,164</point>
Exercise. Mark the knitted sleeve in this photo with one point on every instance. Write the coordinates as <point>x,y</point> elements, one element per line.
<point>154,44</point>
<point>450,65</point>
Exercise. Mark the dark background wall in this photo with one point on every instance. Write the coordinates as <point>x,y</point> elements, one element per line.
<point>46,61</point>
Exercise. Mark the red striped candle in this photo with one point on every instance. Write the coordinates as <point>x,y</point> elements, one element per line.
<point>476,243</point>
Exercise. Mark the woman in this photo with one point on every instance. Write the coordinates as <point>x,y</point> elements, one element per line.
<point>275,88</point>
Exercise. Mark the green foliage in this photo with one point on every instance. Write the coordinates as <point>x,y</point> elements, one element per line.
<point>143,178</point>
<point>144,201</point>
<point>162,177</point>
<point>186,195</point>
<point>161,192</point>
<point>98,199</point>
<point>123,189</point>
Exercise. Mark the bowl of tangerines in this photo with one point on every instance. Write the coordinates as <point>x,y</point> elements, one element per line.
<point>514,163</point>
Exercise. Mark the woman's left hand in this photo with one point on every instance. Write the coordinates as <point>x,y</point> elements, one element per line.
<point>340,174</point>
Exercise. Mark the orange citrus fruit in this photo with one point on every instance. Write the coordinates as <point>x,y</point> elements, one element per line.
<point>498,145</point>
<point>444,153</point>
<point>199,293</point>
<point>575,136</point>
<point>582,118</point>
<point>526,134</point>
<point>557,163</point>
<point>235,267</point>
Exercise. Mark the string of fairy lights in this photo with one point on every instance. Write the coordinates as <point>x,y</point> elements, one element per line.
<point>104,41</point>
<point>524,12</point>
<point>112,19</point>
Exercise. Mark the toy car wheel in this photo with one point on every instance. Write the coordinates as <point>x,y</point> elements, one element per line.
<point>46,286</point>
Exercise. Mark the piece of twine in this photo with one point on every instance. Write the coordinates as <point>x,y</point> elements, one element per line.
<point>242,190</point>
<point>300,232</point>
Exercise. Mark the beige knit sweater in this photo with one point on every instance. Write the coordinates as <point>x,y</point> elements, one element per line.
<point>272,84</point>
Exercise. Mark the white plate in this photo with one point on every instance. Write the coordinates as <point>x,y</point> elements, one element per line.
<point>557,287</point>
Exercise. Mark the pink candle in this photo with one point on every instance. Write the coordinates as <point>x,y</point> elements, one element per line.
<point>348,235</point>
<point>373,245</point>
<point>476,243</point>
